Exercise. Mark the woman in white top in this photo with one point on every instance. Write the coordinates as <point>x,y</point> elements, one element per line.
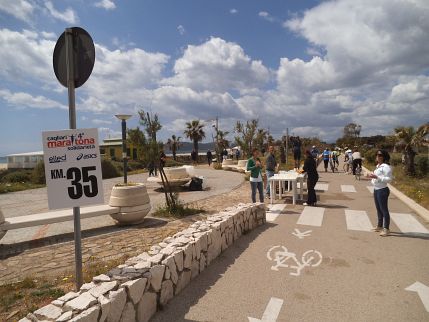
<point>381,176</point>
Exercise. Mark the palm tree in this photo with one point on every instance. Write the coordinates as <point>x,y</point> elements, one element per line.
<point>194,131</point>
<point>174,144</point>
<point>412,139</point>
<point>223,142</point>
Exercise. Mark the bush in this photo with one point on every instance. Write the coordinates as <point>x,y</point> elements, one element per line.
<point>109,170</point>
<point>396,160</point>
<point>422,166</point>
<point>135,165</point>
<point>370,156</point>
<point>17,176</point>
<point>38,174</point>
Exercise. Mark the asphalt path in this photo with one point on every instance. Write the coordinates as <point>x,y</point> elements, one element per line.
<point>361,276</point>
<point>36,201</point>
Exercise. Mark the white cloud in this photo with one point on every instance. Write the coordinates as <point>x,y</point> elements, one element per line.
<point>219,66</point>
<point>265,15</point>
<point>105,4</point>
<point>181,29</point>
<point>68,15</point>
<point>23,100</point>
<point>100,122</point>
<point>20,9</point>
<point>233,11</point>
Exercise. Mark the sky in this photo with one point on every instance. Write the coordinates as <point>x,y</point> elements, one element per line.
<point>307,65</point>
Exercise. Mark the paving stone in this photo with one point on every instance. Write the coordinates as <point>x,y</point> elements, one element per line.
<point>117,302</point>
<point>80,303</point>
<point>135,289</point>
<point>105,307</point>
<point>65,317</point>
<point>90,315</point>
<point>157,273</point>
<point>129,313</point>
<point>49,312</point>
<point>147,307</point>
<point>101,278</point>
<point>167,292</point>
<point>103,288</point>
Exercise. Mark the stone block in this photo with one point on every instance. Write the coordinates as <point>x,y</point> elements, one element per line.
<point>146,307</point>
<point>157,273</point>
<point>48,312</point>
<point>142,266</point>
<point>90,315</point>
<point>57,303</point>
<point>172,268</point>
<point>69,296</point>
<point>197,248</point>
<point>224,244</point>
<point>65,316</point>
<point>203,242</point>
<point>195,268</point>
<point>184,279</point>
<point>129,313</point>
<point>103,288</point>
<point>135,289</point>
<point>157,259</point>
<point>117,303</point>
<point>80,303</point>
<point>178,260</point>
<point>167,292</point>
<point>87,286</point>
<point>202,262</point>
<point>188,253</point>
<point>101,278</point>
<point>105,307</point>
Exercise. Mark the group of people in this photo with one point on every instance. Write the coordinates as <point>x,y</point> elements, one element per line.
<point>380,177</point>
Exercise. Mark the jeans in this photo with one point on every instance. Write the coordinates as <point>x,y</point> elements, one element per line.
<point>311,192</point>
<point>260,187</point>
<point>380,198</point>
<point>269,174</point>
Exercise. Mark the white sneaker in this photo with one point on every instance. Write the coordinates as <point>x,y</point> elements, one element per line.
<point>385,232</point>
<point>305,204</point>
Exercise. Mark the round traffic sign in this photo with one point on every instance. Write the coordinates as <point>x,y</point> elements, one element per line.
<point>83,57</point>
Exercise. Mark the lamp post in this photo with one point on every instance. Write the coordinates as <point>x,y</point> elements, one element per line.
<point>124,118</point>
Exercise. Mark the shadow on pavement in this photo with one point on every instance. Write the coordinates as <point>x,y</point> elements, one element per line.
<point>410,235</point>
<point>180,305</point>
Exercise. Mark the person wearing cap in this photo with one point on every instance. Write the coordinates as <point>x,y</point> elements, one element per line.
<point>381,176</point>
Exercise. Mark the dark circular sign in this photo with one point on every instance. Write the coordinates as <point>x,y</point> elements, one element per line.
<point>83,57</point>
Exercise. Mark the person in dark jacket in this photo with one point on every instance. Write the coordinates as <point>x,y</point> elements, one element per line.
<point>310,167</point>
<point>209,157</point>
<point>270,167</point>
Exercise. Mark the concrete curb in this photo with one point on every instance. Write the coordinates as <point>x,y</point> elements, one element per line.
<point>421,211</point>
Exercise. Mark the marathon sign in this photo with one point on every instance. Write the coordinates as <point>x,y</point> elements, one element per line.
<point>72,168</point>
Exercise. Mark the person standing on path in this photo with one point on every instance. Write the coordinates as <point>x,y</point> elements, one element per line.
<point>209,157</point>
<point>194,157</point>
<point>381,176</point>
<point>254,165</point>
<point>326,155</point>
<point>296,143</point>
<point>310,167</point>
<point>270,167</point>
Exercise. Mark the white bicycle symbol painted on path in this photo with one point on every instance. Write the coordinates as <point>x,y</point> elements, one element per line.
<point>280,255</point>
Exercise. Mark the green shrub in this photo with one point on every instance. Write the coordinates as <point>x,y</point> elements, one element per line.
<point>422,165</point>
<point>171,163</point>
<point>396,160</point>
<point>38,174</point>
<point>17,176</point>
<point>135,165</point>
<point>370,156</point>
<point>109,170</point>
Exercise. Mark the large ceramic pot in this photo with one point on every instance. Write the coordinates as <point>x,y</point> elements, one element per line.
<point>2,220</point>
<point>176,173</point>
<point>133,202</point>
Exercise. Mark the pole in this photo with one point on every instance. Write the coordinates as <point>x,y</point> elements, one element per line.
<point>124,148</point>
<point>72,124</point>
<point>287,144</point>
<point>217,140</point>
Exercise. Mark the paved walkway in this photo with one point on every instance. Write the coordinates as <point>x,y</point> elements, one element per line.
<point>36,201</point>
<point>57,259</point>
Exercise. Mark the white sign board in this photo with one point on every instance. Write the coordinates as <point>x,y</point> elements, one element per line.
<point>72,168</point>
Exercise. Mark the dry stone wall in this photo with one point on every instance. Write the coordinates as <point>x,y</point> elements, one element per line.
<point>135,290</point>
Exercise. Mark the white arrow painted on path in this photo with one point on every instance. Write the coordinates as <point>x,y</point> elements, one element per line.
<point>423,291</point>
<point>300,234</point>
<point>272,311</point>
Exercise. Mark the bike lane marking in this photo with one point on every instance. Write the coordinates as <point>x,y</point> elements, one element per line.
<point>407,223</point>
<point>301,234</point>
<point>357,220</point>
<point>274,211</point>
<point>321,186</point>
<point>348,188</point>
<point>423,292</point>
<point>271,312</point>
<point>311,216</point>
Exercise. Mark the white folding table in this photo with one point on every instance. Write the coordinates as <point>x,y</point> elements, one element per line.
<point>291,176</point>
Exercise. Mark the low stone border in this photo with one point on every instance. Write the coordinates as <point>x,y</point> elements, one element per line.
<point>421,211</point>
<point>135,290</point>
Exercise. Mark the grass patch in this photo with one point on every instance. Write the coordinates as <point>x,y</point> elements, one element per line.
<point>18,186</point>
<point>180,210</point>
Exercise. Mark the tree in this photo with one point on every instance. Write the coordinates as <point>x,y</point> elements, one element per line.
<point>137,138</point>
<point>174,144</point>
<point>194,131</point>
<point>411,140</point>
<point>223,142</point>
<point>246,135</point>
<point>352,130</point>
<point>152,126</point>
<point>260,138</point>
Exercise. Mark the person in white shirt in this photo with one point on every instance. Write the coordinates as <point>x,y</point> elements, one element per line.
<point>357,160</point>
<point>381,176</point>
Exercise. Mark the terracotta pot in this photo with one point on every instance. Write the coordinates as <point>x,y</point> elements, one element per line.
<point>133,202</point>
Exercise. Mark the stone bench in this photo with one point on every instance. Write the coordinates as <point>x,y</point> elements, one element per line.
<point>52,217</point>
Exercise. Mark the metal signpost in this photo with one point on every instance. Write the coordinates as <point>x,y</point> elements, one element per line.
<point>73,61</point>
